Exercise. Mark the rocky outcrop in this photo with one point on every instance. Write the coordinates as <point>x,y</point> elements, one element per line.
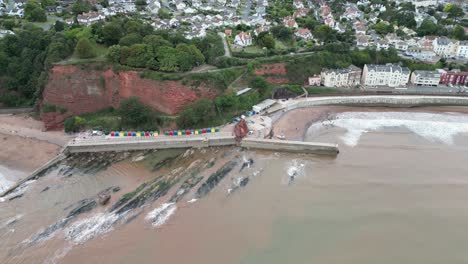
<point>83,89</point>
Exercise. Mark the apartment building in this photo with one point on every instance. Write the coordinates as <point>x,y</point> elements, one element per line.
<point>347,77</point>
<point>425,78</point>
<point>385,75</point>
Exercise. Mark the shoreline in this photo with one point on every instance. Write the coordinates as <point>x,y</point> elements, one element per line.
<point>303,118</point>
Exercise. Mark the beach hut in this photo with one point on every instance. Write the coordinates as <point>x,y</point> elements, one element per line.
<point>155,134</point>
<point>179,133</point>
<point>187,132</point>
<point>112,134</point>
<point>216,129</point>
<point>147,134</point>
<point>213,130</point>
<point>171,133</point>
<point>196,132</point>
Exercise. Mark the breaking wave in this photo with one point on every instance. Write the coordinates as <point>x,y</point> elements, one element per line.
<point>433,127</point>
<point>86,229</point>
<point>161,214</point>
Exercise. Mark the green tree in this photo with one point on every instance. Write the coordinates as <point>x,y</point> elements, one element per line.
<point>34,12</point>
<point>202,113</point>
<point>85,49</point>
<point>59,26</point>
<point>8,24</point>
<point>383,28</point>
<point>458,32</point>
<point>74,124</point>
<point>112,33</point>
<point>80,7</point>
<point>454,11</point>
<point>139,55</point>
<point>130,39</point>
<point>113,53</point>
<point>134,113</point>
<point>266,40</point>
<point>428,27</point>
<point>164,13</point>
<point>168,59</point>
<point>155,42</point>
<point>264,87</point>
<point>323,33</point>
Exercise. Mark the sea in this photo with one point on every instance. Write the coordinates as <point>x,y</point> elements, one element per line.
<point>396,193</point>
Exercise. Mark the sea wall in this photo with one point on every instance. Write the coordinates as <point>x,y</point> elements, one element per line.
<point>143,143</point>
<point>291,146</point>
<point>375,100</point>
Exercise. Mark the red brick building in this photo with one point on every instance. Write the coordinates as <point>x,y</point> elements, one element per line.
<point>454,78</point>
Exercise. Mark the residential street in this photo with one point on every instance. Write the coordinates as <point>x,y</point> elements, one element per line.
<point>227,51</point>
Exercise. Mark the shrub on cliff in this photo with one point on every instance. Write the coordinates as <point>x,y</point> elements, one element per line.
<point>135,115</point>
<point>202,113</point>
<point>85,49</point>
<point>74,124</point>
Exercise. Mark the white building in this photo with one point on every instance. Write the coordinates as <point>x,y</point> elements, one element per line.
<point>443,47</point>
<point>243,39</point>
<point>347,77</point>
<point>462,49</point>
<point>422,3</point>
<point>385,75</point>
<point>425,78</point>
<point>422,53</point>
<point>304,33</point>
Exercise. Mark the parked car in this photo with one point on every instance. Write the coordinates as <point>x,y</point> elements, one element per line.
<point>235,120</point>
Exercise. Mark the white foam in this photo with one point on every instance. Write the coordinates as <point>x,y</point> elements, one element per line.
<point>434,127</point>
<point>161,215</point>
<point>192,200</point>
<point>86,229</point>
<point>294,169</point>
<point>10,220</point>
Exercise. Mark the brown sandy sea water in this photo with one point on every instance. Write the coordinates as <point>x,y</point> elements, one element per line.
<point>396,193</point>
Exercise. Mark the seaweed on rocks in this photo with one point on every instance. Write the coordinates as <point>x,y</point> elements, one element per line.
<point>150,194</point>
<point>16,197</point>
<point>83,206</point>
<point>48,232</point>
<point>163,162</point>
<point>246,164</point>
<point>188,184</point>
<point>127,197</point>
<point>214,179</point>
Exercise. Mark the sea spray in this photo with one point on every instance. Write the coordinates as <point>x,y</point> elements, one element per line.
<point>161,215</point>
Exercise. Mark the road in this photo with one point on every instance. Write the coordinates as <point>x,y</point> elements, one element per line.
<point>246,11</point>
<point>417,89</point>
<point>227,51</point>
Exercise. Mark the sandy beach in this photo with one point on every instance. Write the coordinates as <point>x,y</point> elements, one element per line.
<point>25,145</point>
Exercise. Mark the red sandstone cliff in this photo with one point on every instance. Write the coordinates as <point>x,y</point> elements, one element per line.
<point>273,73</point>
<point>86,90</point>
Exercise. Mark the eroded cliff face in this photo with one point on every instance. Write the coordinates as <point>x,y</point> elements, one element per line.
<point>273,72</point>
<point>81,90</point>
